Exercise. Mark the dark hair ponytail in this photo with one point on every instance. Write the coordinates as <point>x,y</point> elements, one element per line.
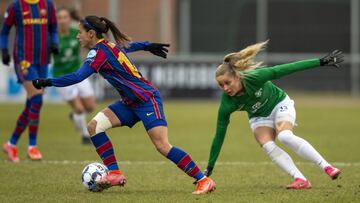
<point>102,25</point>
<point>119,37</point>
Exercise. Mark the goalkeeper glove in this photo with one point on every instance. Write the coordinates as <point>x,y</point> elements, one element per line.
<point>158,49</point>
<point>332,59</point>
<point>41,82</point>
<point>5,56</point>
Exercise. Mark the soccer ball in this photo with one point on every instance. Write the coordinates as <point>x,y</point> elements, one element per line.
<point>92,173</point>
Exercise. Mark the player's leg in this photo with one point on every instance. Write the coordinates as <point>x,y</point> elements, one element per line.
<point>265,136</point>
<point>153,118</point>
<point>35,96</point>
<point>304,149</point>
<point>285,120</point>
<point>97,127</point>
<point>159,137</point>
<point>36,99</point>
<point>21,123</point>
<point>87,95</point>
<point>77,115</point>
<point>10,147</point>
<point>25,73</point>
<point>117,114</point>
<point>87,104</point>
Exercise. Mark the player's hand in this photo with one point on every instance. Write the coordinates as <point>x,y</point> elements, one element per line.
<point>158,49</point>
<point>5,56</point>
<point>54,49</point>
<point>41,82</point>
<point>208,171</point>
<point>332,59</point>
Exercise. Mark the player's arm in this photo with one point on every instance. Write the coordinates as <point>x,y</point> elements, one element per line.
<point>69,79</point>
<point>223,119</point>
<point>9,21</point>
<point>54,40</point>
<point>275,72</point>
<point>136,46</point>
<point>157,49</point>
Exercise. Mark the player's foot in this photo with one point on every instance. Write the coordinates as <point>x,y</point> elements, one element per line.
<point>11,151</point>
<point>332,172</point>
<point>299,184</point>
<point>204,186</point>
<point>85,140</point>
<point>34,153</point>
<point>112,178</point>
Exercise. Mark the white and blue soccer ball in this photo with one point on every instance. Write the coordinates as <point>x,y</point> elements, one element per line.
<point>92,173</point>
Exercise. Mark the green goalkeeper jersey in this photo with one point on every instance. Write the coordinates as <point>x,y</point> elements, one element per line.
<point>68,60</point>
<point>259,99</point>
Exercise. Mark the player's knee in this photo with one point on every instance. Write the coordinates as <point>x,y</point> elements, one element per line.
<point>89,109</point>
<point>284,136</point>
<point>91,127</point>
<point>284,125</point>
<point>100,123</point>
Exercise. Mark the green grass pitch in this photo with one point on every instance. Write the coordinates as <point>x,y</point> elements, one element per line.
<point>243,173</point>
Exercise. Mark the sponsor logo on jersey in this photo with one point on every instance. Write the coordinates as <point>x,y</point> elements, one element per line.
<point>35,21</point>
<point>258,93</point>
<point>6,14</point>
<point>91,54</point>
<point>25,65</point>
<point>257,106</point>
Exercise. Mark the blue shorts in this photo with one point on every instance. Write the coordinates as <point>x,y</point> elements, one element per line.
<point>33,71</point>
<point>150,113</point>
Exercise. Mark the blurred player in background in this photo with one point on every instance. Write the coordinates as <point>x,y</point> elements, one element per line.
<point>79,96</point>
<point>271,112</point>
<point>35,39</point>
<point>141,100</point>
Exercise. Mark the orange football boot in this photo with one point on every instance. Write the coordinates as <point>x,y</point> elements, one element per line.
<point>112,178</point>
<point>34,153</point>
<point>204,186</point>
<point>11,151</point>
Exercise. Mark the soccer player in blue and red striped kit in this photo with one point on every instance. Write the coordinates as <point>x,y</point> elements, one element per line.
<point>35,38</point>
<point>140,99</point>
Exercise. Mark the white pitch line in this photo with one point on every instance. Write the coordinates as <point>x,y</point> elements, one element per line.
<point>232,163</point>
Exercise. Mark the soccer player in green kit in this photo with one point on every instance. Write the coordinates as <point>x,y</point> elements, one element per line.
<point>81,95</point>
<point>270,110</point>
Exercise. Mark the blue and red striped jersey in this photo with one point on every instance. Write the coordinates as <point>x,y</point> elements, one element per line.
<point>110,61</point>
<point>36,29</point>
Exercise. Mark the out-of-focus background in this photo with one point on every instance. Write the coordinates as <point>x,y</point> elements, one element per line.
<point>201,32</point>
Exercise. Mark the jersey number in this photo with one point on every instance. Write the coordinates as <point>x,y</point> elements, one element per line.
<point>124,61</point>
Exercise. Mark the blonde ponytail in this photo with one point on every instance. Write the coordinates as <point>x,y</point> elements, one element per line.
<point>242,60</point>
